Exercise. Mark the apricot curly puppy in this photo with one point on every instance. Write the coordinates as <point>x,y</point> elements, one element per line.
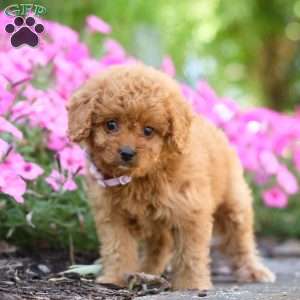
<point>161,174</point>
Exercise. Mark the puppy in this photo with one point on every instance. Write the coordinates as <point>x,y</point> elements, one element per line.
<point>161,174</point>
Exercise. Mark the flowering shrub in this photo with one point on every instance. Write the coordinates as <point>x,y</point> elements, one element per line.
<point>40,167</point>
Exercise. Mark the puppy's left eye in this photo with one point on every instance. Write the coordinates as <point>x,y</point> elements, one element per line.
<point>112,126</point>
<point>148,131</point>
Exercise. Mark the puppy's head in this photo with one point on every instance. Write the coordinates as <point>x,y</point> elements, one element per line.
<point>130,118</point>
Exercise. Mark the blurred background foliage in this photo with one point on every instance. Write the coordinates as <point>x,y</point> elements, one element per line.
<point>248,50</point>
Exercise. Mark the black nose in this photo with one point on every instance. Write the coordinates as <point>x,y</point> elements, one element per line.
<point>127,153</point>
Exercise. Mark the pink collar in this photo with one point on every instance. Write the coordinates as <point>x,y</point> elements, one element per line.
<point>122,180</point>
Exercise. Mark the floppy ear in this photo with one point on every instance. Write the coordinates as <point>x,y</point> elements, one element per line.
<point>80,110</point>
<point>180,120</point>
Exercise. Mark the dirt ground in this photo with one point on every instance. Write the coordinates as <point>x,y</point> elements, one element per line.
<point>25,275</point>
<point>35,276</point>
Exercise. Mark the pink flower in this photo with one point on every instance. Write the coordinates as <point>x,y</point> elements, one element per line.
<point>248,157</point>
<point>275,197</point>
<point>168,66</point>
<point>224,112</point>
<point>268,161</point>
<point>115,54</point>
<point>69,184</point>
<point>4,146</point>
<point>79,53</point>
<point>95,24</point>
<point>206,92</point>
<point>56,142</point>
<point>12,184</point>
<point>26,170</point>
<point>296,159</point>
<point>72,159</point>
<point>287,180</point>
<point>6,126</point>
<point>5,101</point>
<point>21,110</point>
<point>58,181</point>
<point>30,171</point>
<point>54,180</point>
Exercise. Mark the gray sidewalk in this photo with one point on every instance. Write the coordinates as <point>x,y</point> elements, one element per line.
<point>287,286</point>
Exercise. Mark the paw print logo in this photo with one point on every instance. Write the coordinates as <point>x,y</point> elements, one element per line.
<point>24,33</point>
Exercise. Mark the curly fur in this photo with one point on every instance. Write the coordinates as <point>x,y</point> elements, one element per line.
<point>187,179</point>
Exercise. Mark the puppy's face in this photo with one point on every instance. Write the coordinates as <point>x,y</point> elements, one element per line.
<point>128,135</point>
<point>129,118</point>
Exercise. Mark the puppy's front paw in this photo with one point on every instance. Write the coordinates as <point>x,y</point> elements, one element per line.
<point>107,280</point>
<point>254,273</point>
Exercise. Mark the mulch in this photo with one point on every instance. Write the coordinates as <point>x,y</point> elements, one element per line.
<point>35,276</point>
<point>28,275</point>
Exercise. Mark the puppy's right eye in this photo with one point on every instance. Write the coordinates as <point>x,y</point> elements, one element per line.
<point>111,126</point>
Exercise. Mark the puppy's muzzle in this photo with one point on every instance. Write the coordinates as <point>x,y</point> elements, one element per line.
<point>127,154</point>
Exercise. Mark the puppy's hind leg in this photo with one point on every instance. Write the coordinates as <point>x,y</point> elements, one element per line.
<point>234,220</point>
